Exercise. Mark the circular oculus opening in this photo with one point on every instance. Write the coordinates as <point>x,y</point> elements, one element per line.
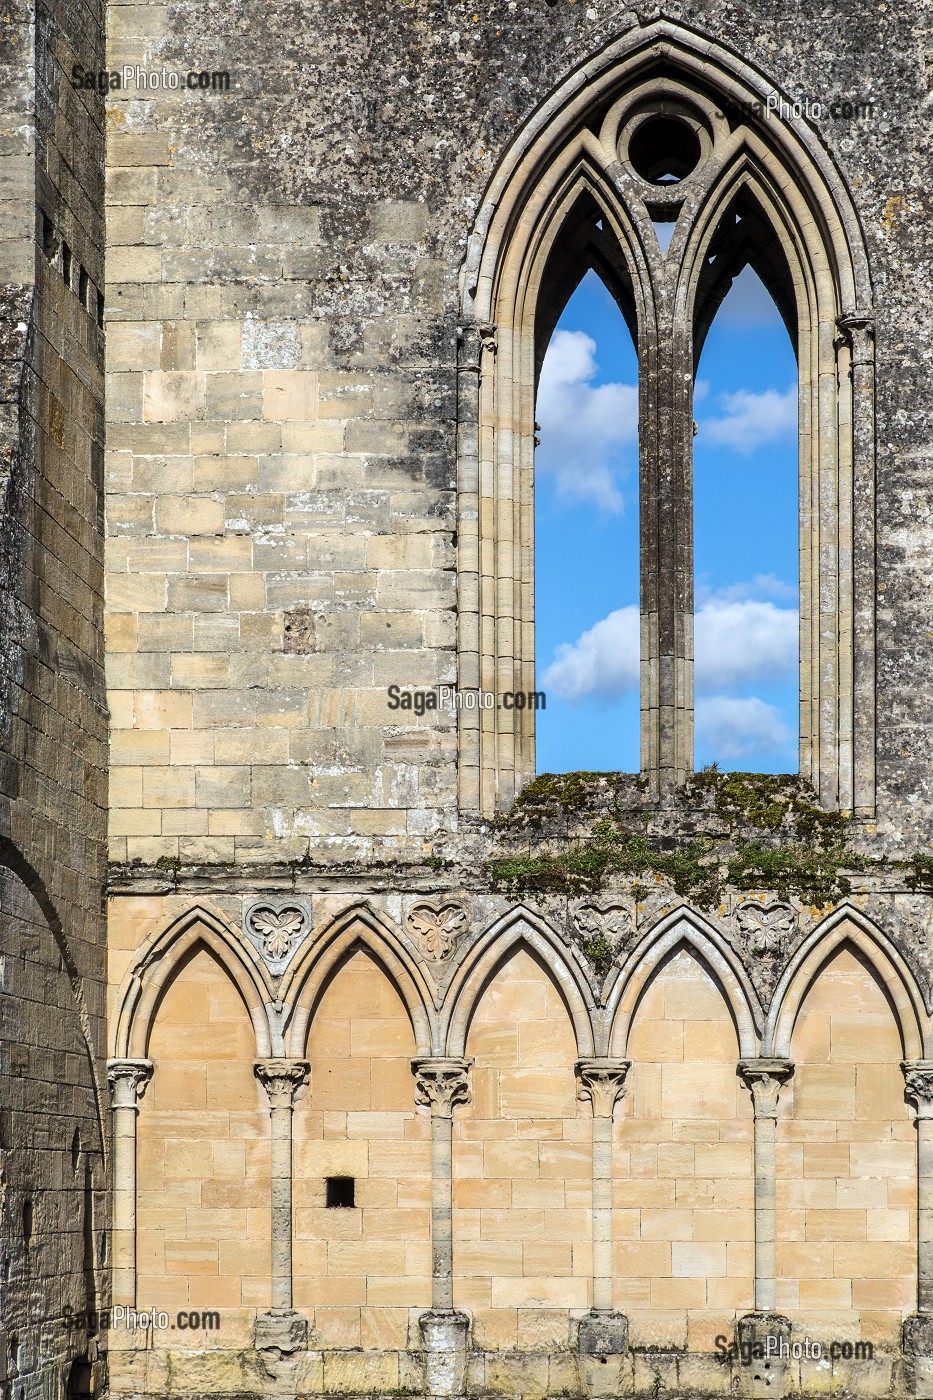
<point>664,150</point>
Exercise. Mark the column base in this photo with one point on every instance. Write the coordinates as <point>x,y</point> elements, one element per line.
<point>282,1331</point>
<point>444,1340</point>
<point>603,1334</point>
<point>759,1367</point>
<point>917,1343</point>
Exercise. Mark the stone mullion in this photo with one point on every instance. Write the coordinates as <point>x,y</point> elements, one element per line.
<point>127,1080</point>
<point>649,555</point>
<point>666,431</point>
<point>764,1078</point>
<point>281,1078</point>
<point>681,390</point>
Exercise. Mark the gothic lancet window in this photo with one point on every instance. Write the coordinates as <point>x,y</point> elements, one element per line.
<point>746,543</point>
<point>586,538</point>
<point>663,168</point>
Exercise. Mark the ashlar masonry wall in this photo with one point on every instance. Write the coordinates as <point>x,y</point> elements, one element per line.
<point>596,1118</point>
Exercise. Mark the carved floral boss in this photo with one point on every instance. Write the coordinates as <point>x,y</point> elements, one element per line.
<point>435,929</point>
<point>766,926</point>
<point>276,928</point>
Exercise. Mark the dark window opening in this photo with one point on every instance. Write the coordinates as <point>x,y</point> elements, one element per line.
<point>664,150</point>
<point>83,281</point>
<point>48,237</point>
<point>341,1192</point>
<point>66,264</point>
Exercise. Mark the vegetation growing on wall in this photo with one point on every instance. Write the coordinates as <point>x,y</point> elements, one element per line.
<point>752,831</point>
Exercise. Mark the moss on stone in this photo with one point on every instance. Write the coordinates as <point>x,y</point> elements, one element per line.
<point>781,803</point>
<point>920,874</point>
<point>773,835</point>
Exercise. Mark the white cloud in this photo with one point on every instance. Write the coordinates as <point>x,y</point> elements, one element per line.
<point>768,584</point>
<point>584,428</point>
<point>737,641</point>
<point>749,420</point>
<point>735,728</point>
<point>602,662</point>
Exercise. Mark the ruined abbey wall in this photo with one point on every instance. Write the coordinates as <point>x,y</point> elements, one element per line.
<point>626,1079</point>
<point>592,1115</point>
<point>54,1119</point>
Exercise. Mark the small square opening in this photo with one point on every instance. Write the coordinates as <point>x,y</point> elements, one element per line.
<point>341,1192</point>
<point>48,237</point>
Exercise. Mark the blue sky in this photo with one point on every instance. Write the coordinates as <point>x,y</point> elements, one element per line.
<point>746,540</point>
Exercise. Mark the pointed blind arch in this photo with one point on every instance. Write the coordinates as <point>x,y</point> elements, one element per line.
<point>592,141</point>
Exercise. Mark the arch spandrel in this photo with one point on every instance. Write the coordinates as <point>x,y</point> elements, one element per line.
<point>847,927</point>
<point>157,963</point>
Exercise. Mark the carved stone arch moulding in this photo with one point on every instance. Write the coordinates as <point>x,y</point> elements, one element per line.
<point>157,962</point>
<point>847,926</point>
<point>519,928</point>
<point>355,928</point>
<point>737,163</point>
<point>682,930</point>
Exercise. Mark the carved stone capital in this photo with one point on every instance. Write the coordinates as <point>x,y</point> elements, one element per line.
<point>764,1078</point>
<point>858,327</point>
<point>281,1078</point>
<point>440,1084</point>
<point>488,334</point>
<point>127,1080</point>
<point>918,1079</point>
<point>602,1081</point>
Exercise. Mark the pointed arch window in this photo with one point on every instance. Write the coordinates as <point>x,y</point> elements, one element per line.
<point>667,132</point>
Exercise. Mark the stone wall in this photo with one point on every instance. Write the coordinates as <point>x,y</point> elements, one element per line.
<point>796,1206</point>
<point>293,397</point>
<point>53,1183</point>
